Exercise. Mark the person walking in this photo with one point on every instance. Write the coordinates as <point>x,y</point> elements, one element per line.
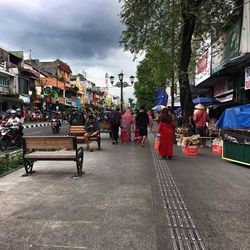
<point>129,119</point>
<point>135,129</point>
<point>142,122</point>
<point>151,120</point>
<point>200,118</point>
<point>124,128</point>
<point>114,121</point>
<point>166,134</point>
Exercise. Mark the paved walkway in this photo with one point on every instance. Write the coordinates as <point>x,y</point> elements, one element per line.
<point>128,199</point>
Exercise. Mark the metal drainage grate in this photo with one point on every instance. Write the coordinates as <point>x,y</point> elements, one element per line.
<point>183,231</point>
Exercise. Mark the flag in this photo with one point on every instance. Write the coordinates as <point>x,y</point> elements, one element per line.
<point>161,97</point>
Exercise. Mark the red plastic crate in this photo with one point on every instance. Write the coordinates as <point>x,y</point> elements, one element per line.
<point>217,149</point>
<point>190,150</point>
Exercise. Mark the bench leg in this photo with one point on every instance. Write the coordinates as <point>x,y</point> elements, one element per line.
<point>99,142</point>
<point>79,161</point>
<point>28,165</point>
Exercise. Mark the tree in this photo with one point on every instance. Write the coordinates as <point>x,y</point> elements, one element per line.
<point>152,73</point>
<point>169,23</point>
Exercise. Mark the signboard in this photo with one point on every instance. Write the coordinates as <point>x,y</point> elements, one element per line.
<point>247,78</point>
<point>232,47</point>
<point>68,101</point>
<point>226,48</point>
<point>203,67</point>
<point>217,55</point>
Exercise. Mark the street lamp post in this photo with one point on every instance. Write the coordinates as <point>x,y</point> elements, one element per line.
<point>122,84</point>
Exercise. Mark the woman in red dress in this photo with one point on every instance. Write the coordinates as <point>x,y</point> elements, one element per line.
<point>166,134</point>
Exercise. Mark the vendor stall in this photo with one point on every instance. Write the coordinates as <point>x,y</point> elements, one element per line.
<point>235,131</point>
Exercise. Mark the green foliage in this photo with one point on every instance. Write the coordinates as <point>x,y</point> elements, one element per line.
<point>145,89</point>
<point>9,163</point>
<point>171,29</point>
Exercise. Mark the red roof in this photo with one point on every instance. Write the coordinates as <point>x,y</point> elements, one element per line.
<point>64,66</point>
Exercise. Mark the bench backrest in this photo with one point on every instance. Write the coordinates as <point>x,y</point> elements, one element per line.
<point>49,142</point>
<point>77,130</point>
<point>104,125</point>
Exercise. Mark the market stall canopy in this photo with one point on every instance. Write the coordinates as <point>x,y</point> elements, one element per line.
<point>158,108</point>
<point>207,101</point>
<point>235,117</point>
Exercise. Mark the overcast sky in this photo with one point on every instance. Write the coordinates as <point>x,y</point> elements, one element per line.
<point>83,33</point>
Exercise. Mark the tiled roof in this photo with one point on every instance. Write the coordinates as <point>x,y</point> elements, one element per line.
<point>64,66</point>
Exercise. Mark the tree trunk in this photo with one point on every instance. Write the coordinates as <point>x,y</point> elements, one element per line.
<point>185,91</point>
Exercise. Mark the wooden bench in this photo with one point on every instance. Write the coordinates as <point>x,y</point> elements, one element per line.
<point>51,148</point>
<point>80,133</point>
<point>104,127</point>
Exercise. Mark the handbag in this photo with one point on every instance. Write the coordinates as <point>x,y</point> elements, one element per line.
<point>156,143</point>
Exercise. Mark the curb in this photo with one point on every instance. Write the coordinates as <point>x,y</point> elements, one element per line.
<point>36,125</point>
<point>39,125</point>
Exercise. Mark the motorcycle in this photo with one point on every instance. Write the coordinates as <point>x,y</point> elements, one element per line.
<point>10,137</point>
<point>55,125</point>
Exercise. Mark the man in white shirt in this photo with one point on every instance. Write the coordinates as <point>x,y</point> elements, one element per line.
<point>14,120</point>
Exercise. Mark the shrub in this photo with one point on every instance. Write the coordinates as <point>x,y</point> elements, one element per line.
<point>10,162</point>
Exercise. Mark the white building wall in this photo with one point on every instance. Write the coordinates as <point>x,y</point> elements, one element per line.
<point>245,31</point>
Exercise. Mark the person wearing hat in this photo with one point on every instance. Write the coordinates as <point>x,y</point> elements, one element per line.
<point>200,118</point>
<point>20,115</point>
<point>14,121</point>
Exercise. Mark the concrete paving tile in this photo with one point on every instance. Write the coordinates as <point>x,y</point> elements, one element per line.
<point>10,203</point>
<point>129,216</point>
<point>91,200</point>
<point>163,238</point>
<point>229,221</point>
<point>131,200</point>
<point>6,186</point>
<point>34,211</point>
<point>119,237</point>
<point>21,231</point>
<point>72,235</point>
<point>133,189</point>
<point>80,213</point>
<point>15,246</point>
<point>226,240</point>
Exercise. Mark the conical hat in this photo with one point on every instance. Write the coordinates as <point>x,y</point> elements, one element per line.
<point>199,106</point>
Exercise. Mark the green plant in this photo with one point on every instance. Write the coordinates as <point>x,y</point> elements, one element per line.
<point>9,163</point>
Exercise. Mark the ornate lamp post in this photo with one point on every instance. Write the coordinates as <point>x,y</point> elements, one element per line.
<point>121,84</point>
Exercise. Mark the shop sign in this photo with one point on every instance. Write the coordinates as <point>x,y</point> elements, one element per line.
<point>217,55</point>
<point>203,67</point>
<point>24,98</point>
<point>247,78</point>
<point>232,47</point>
<point>68,101</point>
<point>226,48</point>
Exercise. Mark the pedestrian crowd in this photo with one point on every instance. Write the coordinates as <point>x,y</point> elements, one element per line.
<point>133,125</point>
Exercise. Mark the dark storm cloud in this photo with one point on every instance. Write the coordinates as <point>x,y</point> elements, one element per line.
<point>71,29</point>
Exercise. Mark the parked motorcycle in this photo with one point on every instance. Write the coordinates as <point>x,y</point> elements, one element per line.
<point>10,137</point>
<point>55,125</point>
